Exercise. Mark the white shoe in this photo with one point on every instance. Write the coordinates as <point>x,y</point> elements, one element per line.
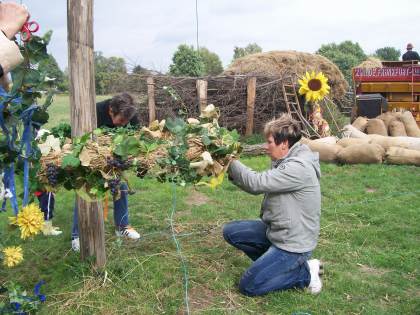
<point>315,285</point>
<point>49,230</point>
<point>75,244</point>
<point>128,232</point>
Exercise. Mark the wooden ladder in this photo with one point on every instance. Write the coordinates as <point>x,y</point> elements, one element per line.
<point>293,107</point>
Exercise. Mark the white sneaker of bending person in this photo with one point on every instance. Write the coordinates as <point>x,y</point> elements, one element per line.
<point>49,230</point>
<point>75,244</point>
<point>315,285</point>
<point>127,232</point>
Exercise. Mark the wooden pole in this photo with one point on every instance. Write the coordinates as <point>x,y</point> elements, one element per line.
<point>151,99</point>
<point>83,116</point>
<point>202,94</point>
<point>250,104</point>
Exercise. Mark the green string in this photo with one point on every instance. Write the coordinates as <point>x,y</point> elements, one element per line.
<point>178,247</point>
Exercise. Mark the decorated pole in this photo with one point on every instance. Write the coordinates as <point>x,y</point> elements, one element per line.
<point>83,116</point>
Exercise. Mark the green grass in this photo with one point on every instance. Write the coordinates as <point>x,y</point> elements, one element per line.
<point>369,239</point>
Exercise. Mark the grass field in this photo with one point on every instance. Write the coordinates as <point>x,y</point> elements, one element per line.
<point>370,237</point>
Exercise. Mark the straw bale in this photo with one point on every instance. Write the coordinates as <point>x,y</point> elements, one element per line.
<point>371,62</point>
<point>281,63</point>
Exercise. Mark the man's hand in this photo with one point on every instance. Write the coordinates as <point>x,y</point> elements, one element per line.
<point>12,18</point>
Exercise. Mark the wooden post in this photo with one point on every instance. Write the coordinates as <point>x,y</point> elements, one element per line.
<point>202,94</point>
<point>250,103</point>
<point>151,99</point>
<point>83,116</point>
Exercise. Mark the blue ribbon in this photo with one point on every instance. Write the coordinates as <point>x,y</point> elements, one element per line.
<point>11,136</point>
<point>27,137</point>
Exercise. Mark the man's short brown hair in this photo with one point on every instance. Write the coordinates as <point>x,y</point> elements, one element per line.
<point>123,104</point>
<point>282,129</point>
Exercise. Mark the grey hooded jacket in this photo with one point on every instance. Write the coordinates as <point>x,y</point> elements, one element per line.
<point>291,207</point>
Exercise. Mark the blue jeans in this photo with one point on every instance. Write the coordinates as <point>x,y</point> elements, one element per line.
<point>273,268</point>
<point>120,212</point>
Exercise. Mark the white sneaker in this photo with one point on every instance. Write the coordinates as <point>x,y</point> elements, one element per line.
<point>75,244</point>
<point>315,285</point>
<point>128,232</point>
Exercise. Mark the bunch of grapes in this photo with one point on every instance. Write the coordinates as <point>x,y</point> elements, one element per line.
<point>118,163</point>
<point>114,185</point>
<point>52,173</point>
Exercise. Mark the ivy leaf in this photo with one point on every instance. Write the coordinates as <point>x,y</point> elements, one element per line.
<point>128,146</point>
<point>176,126</point>
<point>70,161</point>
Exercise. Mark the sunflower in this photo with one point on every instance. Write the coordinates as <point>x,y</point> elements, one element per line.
<point>314,86</point>
<point>30,220</point>
<point>12,256</point>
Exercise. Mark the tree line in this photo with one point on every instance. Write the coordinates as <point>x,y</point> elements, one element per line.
<point>188,61</point>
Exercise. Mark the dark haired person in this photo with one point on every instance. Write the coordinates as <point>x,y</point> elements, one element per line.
<point>115,112</point>
<point>280,244</point>
<point>410,54</point>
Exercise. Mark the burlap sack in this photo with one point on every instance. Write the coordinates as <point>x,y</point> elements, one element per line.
<point>351,132</point>
<point>327,152</point>
<point>345,142</point>
<point>411,142</point>
<point>376,126</point>
<point>396,128</point>
<point>395,155</point>
<point>360,123</point>
<point>387,142</point>
<point>328,140</point>
<point>387,118</point>
<point>410,124</point>
<point>361,153</point>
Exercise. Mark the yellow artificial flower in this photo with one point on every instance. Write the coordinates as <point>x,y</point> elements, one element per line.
<point>30,220</point>
<point>214,181</point>
<point>314,86</point>
<point>12,256</point>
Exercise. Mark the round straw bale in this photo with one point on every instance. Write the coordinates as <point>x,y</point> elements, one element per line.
<point>376,126</point>
<point>387,142</point>
<point>360,123</point>
<point>328,140</point>
<point>395,155</point>
<point>327,152</point>
<point>345,142</point>
<point>387,117</point>
<point>362,153</point>
<point>281,63</point>
<point>351,132</point>
<point>410,124</point>
<point>396,128</point>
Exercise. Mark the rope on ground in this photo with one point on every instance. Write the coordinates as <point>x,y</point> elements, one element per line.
<point>178,247</point>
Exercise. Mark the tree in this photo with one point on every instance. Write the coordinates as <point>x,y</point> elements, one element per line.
<point>239,52</point>
<point>140,70</point>
<point>107,71</point>
<point>388,53</point>
<point>186,62</point>
<point>52,70</point>
<point>345,55</point>
<point>212,63</point>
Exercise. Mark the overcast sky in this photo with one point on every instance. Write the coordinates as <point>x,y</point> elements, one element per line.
<point>148,32</point>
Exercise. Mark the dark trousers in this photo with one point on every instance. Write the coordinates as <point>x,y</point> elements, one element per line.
<point>46,203</point>
<point>273,268</point>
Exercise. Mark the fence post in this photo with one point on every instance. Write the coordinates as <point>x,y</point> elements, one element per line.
<point>250,104</point>
<point>202,94</point>
<point>83,116</point>
<point>151,99</point>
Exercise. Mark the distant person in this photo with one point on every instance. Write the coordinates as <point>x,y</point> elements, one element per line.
<point>410,54</point>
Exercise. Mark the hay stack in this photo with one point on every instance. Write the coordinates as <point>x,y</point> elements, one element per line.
<point>371,62</point>
<point>280,63</point>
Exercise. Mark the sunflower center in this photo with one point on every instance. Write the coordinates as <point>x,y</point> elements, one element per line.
<point>314,84</point>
